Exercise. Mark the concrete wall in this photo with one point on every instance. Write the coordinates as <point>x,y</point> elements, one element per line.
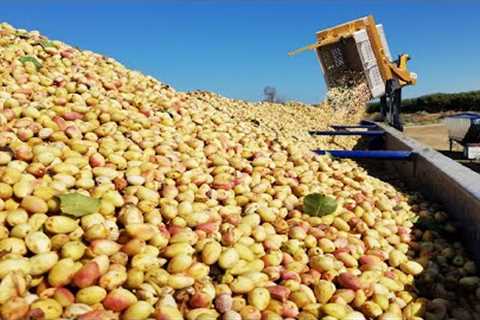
<point>443,180</point>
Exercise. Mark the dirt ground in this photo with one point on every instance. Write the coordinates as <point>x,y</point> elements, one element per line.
<point>424,118</point>
<point>433,135</point>
<point>436,136</point>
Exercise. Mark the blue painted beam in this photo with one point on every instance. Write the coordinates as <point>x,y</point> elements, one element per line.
<point>360,126</point>
<point>368,154</point>
<point>347,133</point>
<point>368,122</point>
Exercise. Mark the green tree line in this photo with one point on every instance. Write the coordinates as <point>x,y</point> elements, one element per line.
<point>437,102</point>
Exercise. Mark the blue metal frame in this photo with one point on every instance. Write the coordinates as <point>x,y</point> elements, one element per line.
<point>372,131</point>
<point>361,126</point>
<point>348,133</point>
<point>368,154</point>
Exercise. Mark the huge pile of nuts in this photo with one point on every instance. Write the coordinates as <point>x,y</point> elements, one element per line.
<point>196,215</point>
<point>293,120</point>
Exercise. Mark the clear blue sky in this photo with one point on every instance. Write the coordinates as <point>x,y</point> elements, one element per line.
<point>236,48</point>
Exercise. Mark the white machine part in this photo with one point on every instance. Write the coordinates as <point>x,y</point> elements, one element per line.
<point>369,61</point>
<point>457,127</point>
<point>472,151</point>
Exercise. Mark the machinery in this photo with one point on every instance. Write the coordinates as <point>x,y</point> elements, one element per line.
<point>464,128</point>
<point>361,46</point>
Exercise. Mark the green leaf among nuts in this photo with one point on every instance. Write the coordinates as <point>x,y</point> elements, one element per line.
<point>317,204</point>
<point>46,44</point>
<point>34,60</point>
<point>78,205</point>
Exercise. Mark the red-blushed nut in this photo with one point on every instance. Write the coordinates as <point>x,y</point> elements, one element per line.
<point>35,314</point>
<point>64,296</point>
<point>61,123</point>
<point>119,299</point>
<point>72,115</point>
<point>290,275</point>
<point>279,292</point>
<point>223,302</point>
<point>287,259</point>
<point>97,160</point>
<point>289,310</point>
<point>97,315</point>
<point>349,281</point>
<point>209,227</point>
<point>200,300</point>
<point>87,275</point>
<point>369,260</point>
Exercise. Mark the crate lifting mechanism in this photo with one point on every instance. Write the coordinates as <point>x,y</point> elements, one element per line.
<point>361,46</point>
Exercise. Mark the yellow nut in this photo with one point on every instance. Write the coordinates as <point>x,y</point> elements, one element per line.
<point>324,290</point>
<point>395,258</point>
<point>105,247</point>
<point>38,242</point>
<point>301,298</point>
<point>244,252</point>
<point>198,270</point>
<point>411,267</point>
<point>211,252</point>
<point>73,250</point>
<point>36,221</point>
<point>20,230</point>
<point>340,224</point>
<point>91,295</point>
<point>34,204</point>
<point>135,278</point>
<point>186,235</point>
<point>390,316</point>
<point>180,263</point>
<point>326,245</point>
<point>113,278</point>
<point>51,309</point>
<point>96,232</point>
<point>144,261</point>
<point>178,248</point>
<point>179,281</point>
<point>259,298</point>
<point>42,263</point>
<point>355,315</point>
<point>335,310</point>
<point>138,311</point>
<point>202,314</point>
<point>13,246</point>
<point>228,258</point>
<point>17,216</point>
<point>371,309</point>
<point>391,284</point>
<point>323,263</point>
<point>61,273</point>
<point>60,224</point>
<point>242,284</point>
<point>14,264</point>
<point>168,312</point>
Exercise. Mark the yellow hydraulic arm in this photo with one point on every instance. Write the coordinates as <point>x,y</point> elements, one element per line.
<point>360,45</point>
<point>387,69</point>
